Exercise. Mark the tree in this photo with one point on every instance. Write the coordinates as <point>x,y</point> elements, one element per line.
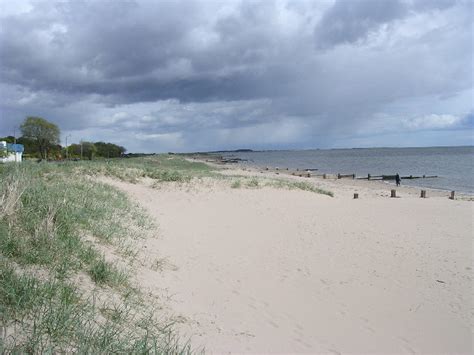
<point>89,150</point>
<point>30,145</point>
<point>43,132</point>
<point>83,150</point>
<point>109,150</point>
<point>9,139</point>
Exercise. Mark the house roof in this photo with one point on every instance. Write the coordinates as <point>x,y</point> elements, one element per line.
<point>17,148</point>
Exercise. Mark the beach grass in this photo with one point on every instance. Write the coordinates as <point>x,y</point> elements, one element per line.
<point>241,181</point>
<point>300,185</point>
<point>53,217</point>
<point>51,316</point>
<point>162,168</point>
<point>236,184</point>
<point>55,220</point>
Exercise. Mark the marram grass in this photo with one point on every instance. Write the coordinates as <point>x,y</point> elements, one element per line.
<point>51,216</point>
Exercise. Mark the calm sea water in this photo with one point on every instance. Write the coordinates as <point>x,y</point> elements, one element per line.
<point>454,166</point>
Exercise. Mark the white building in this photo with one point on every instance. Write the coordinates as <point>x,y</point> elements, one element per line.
<point>10,152</point>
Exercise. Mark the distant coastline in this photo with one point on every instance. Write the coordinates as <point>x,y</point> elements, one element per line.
<point>453,165</point>
<point>250,150</point>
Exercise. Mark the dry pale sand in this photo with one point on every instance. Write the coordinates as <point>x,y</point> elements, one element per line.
<point>288,271</point>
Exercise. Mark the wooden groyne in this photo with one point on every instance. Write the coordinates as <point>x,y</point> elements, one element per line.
<point>312,173</point>
<point>393,177</point>
<point>307,172</point>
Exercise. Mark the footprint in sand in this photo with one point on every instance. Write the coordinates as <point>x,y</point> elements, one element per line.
<point>306,345</point>
<point>272,323</point>
<point>298,332</point>
<point>407,345</point>
<point>299,327</point>
<point>369,329</point>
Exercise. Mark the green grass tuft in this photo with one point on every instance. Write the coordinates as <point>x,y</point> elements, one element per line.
<point>103,272</point>
<point>253,183</point>
<point>237,184</point>
<point>52,216</point>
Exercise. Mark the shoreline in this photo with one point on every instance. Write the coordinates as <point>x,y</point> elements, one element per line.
<point>331,180</point>
<point>452,170</point>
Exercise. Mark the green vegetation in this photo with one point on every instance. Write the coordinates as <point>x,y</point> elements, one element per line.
<point>300,185</point>
<point>8,139</point>
<point>109,150</point>
<point>237,184</point>
<point>41,140</point>
<point>53,317</point>
<point>91,150</point>
<point>42,132</point>
<point>53,220</point>
<point>161,168</point>
<point>252,182</point>
<point>255,182</point>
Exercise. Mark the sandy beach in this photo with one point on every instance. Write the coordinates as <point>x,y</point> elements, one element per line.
<point>273,270</point>
<point>222,177</point>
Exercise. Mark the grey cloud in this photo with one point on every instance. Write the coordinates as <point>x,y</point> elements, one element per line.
<point>133,52</point>
<point>230,66</point>
<point>350,21</point>
<point>424,5</point>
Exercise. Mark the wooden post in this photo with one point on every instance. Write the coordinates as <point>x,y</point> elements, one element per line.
<point>452,195</point>
<point>393,193</point>
<point>423,194</point>
<point>353,176</point>
<point>368,176</point>
<point>356,195</point>
<point>324,176</point>
<point>338,175</point>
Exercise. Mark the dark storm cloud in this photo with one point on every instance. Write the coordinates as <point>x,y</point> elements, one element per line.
<point>91,47</point>
<point>148,51</point>
<point>352,21</point>
<point>180,66</point>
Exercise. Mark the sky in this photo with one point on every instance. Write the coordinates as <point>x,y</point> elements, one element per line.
<point>191,75</point>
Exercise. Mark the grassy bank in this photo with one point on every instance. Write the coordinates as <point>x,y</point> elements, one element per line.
<point>59,291</point>
<point>53,217</point>
<point>254,182</point>
<point>162,168</point>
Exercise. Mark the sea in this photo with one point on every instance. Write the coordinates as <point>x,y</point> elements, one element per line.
<point>453,166</point>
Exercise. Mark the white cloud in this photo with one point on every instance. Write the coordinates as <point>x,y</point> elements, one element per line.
<point>432,121</point>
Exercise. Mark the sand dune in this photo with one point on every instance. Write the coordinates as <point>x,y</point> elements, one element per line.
<point>288,271</point>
